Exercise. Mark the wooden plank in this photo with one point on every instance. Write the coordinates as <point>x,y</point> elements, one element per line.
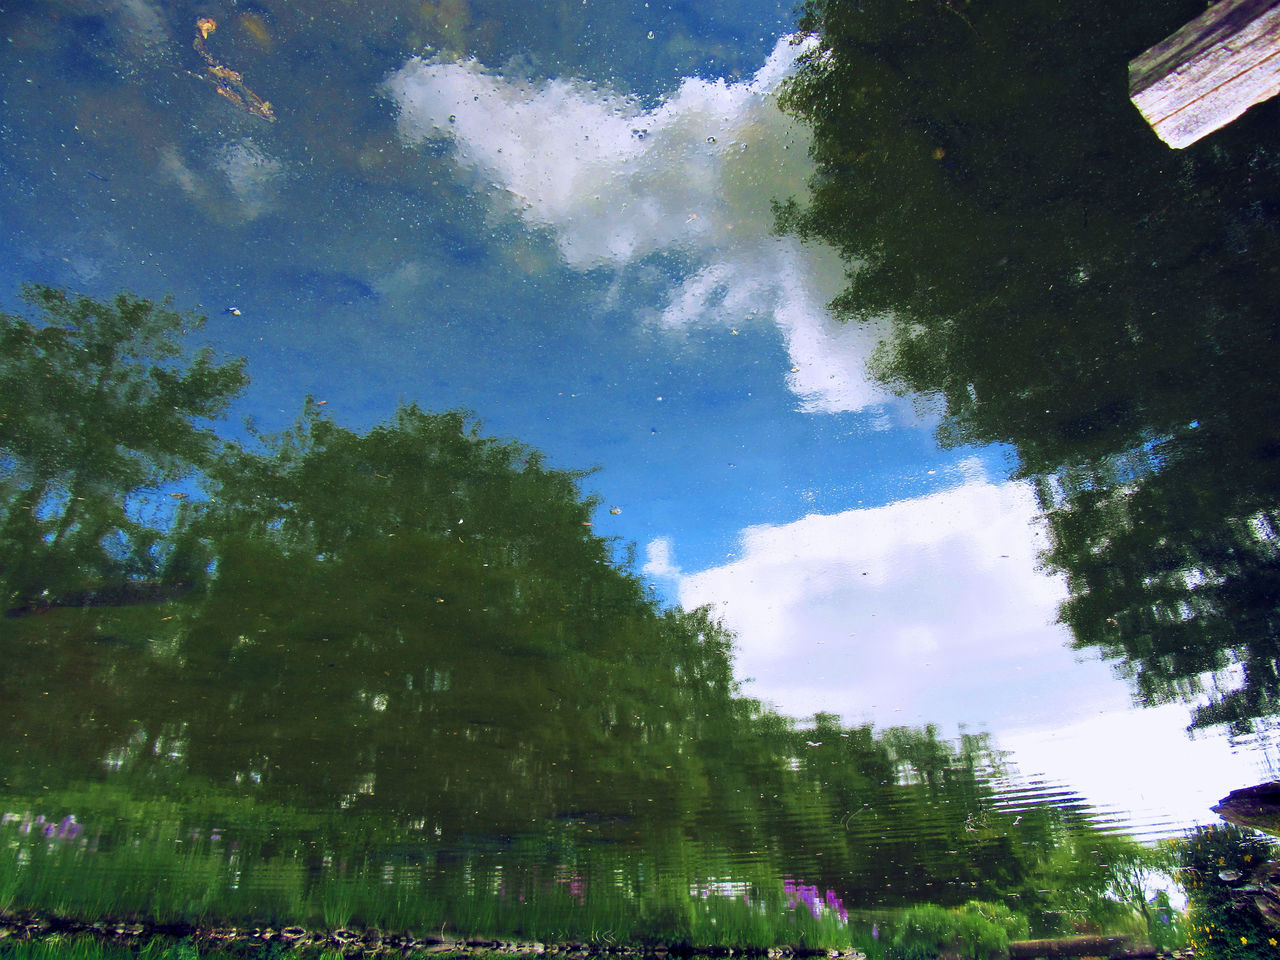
<point>1209,72</point>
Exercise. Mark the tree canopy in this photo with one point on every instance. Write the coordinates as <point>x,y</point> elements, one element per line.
<point>102,405</point>
<point>1068,285</point>
<point>411,638</point>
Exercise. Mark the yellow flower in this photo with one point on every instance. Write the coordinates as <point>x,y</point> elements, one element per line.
<point>1245,941</point>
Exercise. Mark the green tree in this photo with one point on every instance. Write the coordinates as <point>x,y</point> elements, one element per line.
<point>102,404</point>
<point>1233,902</point>
<point>998,198</point>
<point>1068,285</point>
<point>1136,870</point>
<point>419,620</point>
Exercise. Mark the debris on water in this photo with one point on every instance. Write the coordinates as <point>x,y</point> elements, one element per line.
<point>228,82</point>
<point>233,311</point>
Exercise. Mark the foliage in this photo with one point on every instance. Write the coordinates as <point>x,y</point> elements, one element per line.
<point>1168,929</point>
<point>1134,870</point>
<point>412,688</point>
<point>1227,904</point>
<point>1037,259</point>
<point>1022,268</point>
<point>102,404</point>
<point>976,930</point>
<point>101,408</point>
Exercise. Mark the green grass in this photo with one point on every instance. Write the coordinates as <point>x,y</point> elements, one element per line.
<point>85,948</point>
<point>199,889</point>
<point>158,884</point>
<point>153,866</point>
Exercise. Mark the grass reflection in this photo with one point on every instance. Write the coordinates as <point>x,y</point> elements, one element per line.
<point>169,874</point>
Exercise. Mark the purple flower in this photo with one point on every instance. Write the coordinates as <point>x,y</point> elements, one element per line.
<point>811,898</point>
<point>875,931</point>
<point>65,829</point>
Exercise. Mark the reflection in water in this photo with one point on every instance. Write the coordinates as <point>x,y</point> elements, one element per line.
<point>1100,329</point>
<point>229,84</point>
<point>398,680</point>
<point>388,672</point>
<point>697,173</point>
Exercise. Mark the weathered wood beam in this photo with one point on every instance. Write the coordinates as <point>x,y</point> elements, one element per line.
<point>1209,72</point>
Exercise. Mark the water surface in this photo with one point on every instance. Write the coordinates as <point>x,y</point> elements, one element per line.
<point>676,472</point>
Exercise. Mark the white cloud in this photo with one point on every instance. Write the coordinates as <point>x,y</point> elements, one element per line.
<point>925,610</point>
<point>660,559</point>
<point>934,610</point>
<point>245,174</point>
<point>144,18</point>
<point>1139,761</point>
<point>252,175</point>
<point>615,182</point>
<point>174,168</point>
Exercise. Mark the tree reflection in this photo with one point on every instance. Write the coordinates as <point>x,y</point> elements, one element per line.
<point>405,653</point>
<point>103,408</point>
<point>102,405</point>
<point>1070,286</point>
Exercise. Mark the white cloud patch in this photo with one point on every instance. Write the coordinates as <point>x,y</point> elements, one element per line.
<point>615,182</point>
<point>660,559</point>
<point>240,180</point>
<point>174,168</point>
<point>1139,761</point>
<point>925,610</point>
<point>934,610</point>
<point>252,175</point>
<point>144,19</point>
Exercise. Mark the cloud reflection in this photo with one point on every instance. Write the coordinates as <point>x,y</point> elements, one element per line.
<point>252,175</point>
<point>925,610</point>
<point>936,610</point>
<point>614,181</point>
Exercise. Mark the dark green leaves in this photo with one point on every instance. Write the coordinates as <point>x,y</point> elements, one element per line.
<point>101,403</point>
<point>1071,287</point>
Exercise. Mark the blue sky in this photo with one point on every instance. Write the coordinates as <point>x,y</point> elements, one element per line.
<point>574,240</point>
